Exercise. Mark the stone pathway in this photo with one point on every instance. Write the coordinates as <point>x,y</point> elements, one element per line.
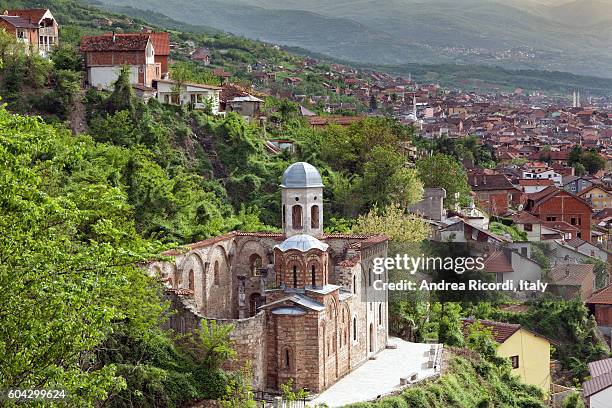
<point>381,376</point>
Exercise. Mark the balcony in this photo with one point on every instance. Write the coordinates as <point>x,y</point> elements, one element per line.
<point>46,32</point>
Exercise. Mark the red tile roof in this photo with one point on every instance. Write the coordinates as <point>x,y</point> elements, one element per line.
<point>498,262</point>
<point>33,15</point>
<point>161,41</point>
<point>500,331</point>
<point>18,22</point>
<point>602,297</point>
<point>127,42</point>
<point>524,217</point>
<point>571,274</point>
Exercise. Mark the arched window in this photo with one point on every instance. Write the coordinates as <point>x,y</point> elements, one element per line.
<point>354,328</point>
<point>191,280</point>
<point>313,276</point>
<point>295,276</point>
<point>355,284</point>
<point>283,216</point>
<point>314,217</point>
<point>287,358</point>
<point>380,314</point>
<point>216,274</point>
<point>296,216</point>
<point>255,264</point>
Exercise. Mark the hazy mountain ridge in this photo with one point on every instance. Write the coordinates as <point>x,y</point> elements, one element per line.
<point>517,34</point>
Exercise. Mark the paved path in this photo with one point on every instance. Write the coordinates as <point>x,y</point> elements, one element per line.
<point>380,376</point>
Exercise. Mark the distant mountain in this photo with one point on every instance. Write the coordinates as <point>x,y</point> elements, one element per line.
<point>521,34</point>
<point>582,13</point>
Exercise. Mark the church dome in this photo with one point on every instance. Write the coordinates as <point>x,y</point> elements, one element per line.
<point>301,175</point>
<point>302,243</point>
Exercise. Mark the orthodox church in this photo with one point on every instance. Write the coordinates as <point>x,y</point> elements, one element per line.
<point>301,302</point>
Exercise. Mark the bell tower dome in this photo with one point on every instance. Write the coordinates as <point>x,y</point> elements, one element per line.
<point>302,200</point>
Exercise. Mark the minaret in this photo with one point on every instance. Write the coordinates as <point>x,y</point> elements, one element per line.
<point>574,100</point>
<point>302,200</point>
<point>578,100</point>
<point>414,108</point>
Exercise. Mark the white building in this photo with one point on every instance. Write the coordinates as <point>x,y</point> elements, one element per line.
<point>199,96</point>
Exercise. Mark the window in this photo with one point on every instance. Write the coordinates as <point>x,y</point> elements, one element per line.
<point>354,328</point>
<point>283,216</point>
<point>287,359</point>
<point>551,218</point>
<point>313,276</point>
<point>294,276</point>
<point>314,217</point>
<point>255,263</point>
<point>380,314</point>
<point>528,227</point>
<point>216,274</point>
<point>191,280</point>
<point>296,216</point>
<point>355,284</point>
<point>369,276</point>
<point>515,361</point>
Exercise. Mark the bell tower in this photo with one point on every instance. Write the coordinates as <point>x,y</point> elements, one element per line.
<point>302,200</point>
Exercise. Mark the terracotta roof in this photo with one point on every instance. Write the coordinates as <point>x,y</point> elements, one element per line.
<point>536,182</point>
<point>602,297</point>
<point>500,331</point>
<point>597,384</point>
<point>571,274</point>
<point>161,41</point>
<point>498,262</point>
<point>127,42</point>
<point>33,15</point>
<point>481,182</point>
<point>560,226</point>
<point>18,22</point>
<point>524,217</point>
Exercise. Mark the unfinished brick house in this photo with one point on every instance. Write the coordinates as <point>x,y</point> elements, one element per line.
<point>303,303</point>
<point>553,204</point>
<point>106,54</point>
<point>36,28</point>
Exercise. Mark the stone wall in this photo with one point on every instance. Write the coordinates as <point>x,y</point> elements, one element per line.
<point>248,335</point>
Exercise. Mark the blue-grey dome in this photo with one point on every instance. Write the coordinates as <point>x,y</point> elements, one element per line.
<point>301,175</point>
<point>303,243</point>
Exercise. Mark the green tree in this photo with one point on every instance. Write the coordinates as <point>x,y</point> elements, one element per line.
<point>592,161</point>
<point>122,97</point>
<point>405,187</point>
<point>68,250</point>
<point>444,171</point>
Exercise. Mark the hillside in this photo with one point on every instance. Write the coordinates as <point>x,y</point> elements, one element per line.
<point>512,34</point>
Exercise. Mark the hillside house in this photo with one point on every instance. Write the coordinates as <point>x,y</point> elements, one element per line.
<point>201,55</point>
<point>494,192</point>
<point>572,280</point>
<point>35,28</point>
<point>528,352</point>
<point>598,196</point>
<point>106,54</point>
<point>553,204</point>
<point>198,96</point>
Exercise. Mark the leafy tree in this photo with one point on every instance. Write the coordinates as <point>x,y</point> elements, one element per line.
<point>592,162</point>
<point>579,169</point>
<point>392,221</point>
<point>68,248</point>
<point>574,400</point>
<point>122,97</point>
<point>444,171</point>
<point>66,57</point>
<point>447,315</point>
<point>405,187</point>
